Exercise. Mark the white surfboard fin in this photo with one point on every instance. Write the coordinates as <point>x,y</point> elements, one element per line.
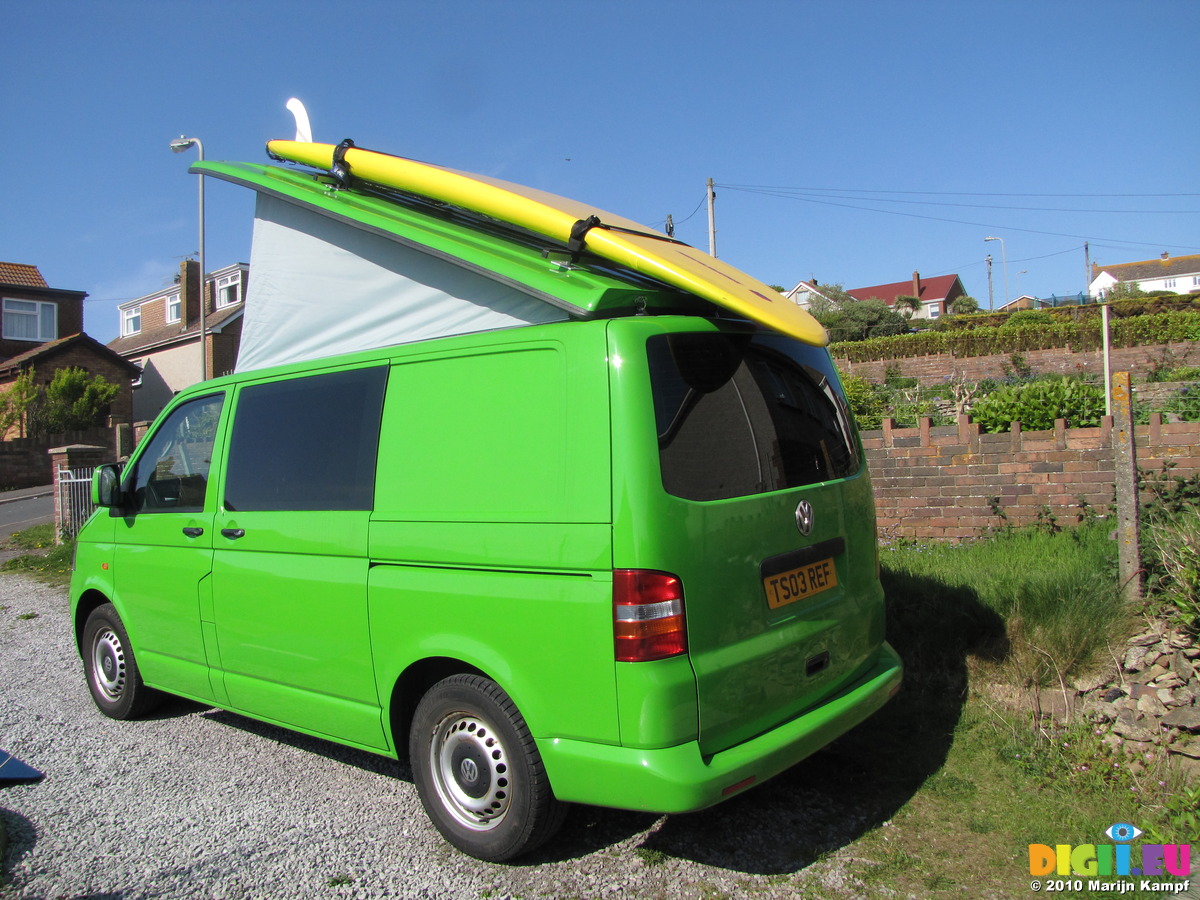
<point>303,128</point>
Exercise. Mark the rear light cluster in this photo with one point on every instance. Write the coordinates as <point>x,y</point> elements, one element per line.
<point>648,618</point>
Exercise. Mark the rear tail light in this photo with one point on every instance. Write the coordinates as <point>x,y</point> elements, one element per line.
<point>648,618</point>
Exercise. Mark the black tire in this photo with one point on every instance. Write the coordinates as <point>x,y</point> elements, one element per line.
<point>111,669</point>
<point>478,771</point>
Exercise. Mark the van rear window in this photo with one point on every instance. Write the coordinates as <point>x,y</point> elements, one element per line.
<point>742,414</point>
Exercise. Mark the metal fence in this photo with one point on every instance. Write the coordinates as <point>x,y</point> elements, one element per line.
<point>74,499</point>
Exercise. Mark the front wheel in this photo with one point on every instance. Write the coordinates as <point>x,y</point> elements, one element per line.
<point>478,771</point>
<point>111,669</point>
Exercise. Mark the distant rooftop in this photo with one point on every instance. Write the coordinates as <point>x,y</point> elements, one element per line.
<point>21,274</point>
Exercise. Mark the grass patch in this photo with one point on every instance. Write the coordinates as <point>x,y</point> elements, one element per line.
<point>1040,605</point>
<point>974,780</point>
<point>47,560</point>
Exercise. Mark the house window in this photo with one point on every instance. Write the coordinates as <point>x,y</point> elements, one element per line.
<point>1170,282</point>
<point>131,321</point>
<point>227,290</point>
<point>174,304</point>
<point>935,310</point>
<point>30,320</point>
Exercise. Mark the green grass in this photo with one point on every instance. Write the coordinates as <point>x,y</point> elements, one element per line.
<point>1045,605</point>
<point>47,560</point>
<point>967,780</point>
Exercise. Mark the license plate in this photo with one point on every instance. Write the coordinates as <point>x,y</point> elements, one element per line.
<point>804,581</point>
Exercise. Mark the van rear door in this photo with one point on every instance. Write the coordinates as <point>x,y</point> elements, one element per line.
<point>742,474</point>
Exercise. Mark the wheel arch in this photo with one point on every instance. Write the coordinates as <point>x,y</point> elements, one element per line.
<point>412,685</point>
<point>89,601</point>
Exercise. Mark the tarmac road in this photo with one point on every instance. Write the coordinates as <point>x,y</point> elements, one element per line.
<point>24,508</point>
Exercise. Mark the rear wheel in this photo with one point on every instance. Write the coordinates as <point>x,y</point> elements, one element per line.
<point>478,770</point>
<point>111,669</point>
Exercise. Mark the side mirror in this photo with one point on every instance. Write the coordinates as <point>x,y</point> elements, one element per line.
<point>106,486</point>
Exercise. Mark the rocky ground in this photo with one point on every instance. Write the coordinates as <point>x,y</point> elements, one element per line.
<point>1148,700</point>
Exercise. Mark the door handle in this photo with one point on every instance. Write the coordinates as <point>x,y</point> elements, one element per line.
<point>193,532</point>
<point>233,533</point>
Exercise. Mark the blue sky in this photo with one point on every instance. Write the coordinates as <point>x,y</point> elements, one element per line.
<point>850,141</point>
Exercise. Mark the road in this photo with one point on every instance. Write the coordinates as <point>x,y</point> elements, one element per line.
<point>21,509</point>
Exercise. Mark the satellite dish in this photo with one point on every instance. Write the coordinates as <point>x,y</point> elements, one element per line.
<point>303,128</point>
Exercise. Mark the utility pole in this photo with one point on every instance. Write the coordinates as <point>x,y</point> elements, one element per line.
<point>712,220</point>
<point>670,226</point>
<point>1087,272</point>
<point>991,300</point>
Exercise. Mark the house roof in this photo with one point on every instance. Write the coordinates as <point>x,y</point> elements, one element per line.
<point>22,275</point>
<point>931,290</point>
<point>173,333</point>
<point>50,348</point>
<point>1150,268</point>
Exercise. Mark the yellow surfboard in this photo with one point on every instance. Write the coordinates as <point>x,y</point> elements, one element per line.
<point>611,237</point>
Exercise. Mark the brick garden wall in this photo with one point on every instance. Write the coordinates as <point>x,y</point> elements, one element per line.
<point>938,483</point>
<point>24,462</point>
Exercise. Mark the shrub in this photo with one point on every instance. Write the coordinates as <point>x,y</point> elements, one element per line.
<point>72,400</point>
<point>1037,404</point>
<point>1171,544</point>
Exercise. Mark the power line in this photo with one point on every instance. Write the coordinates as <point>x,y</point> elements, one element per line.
<point>987,225</point>
<point>796,194</point>
<point>936,193</point>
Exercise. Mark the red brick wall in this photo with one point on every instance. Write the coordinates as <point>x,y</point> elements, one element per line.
<point>25,462</point>
<point>938,483</point>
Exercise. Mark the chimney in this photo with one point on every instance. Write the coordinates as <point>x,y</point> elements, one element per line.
<point>916,284</point>
<point>1166,255</point>
<point>189,290</point>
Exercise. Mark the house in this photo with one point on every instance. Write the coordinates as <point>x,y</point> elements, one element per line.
<point>160,333</point>
<point>805,293</point>
<point>934,294</point>
<point>1180,274</point>
<point>1025,301</point>
<point>74,351</point>
<point>42,329</point>
<point>33,312</point>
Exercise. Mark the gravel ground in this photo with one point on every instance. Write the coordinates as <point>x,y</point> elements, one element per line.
<point>197,802</point>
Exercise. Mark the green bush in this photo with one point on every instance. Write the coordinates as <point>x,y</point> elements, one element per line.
<point>1080,332</point>
<point>1037,404</point>
<point>72,400</point>
<point>1185,404</point>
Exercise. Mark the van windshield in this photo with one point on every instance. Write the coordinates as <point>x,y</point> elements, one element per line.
<point>742,414</point>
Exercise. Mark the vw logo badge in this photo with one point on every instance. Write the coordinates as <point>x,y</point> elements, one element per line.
<point>470,771</point>
<point>804,517</point>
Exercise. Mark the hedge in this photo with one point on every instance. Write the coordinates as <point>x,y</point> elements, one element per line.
<point>1080,334</point>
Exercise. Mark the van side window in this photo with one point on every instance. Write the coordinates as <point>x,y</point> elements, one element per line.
<point>172,472</point>
<point>306,443</point>
<point>741,414</point>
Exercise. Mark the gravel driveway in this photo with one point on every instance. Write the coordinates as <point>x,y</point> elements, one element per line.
<point>197,802</point>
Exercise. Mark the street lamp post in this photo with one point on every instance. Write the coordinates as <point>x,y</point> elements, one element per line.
<point>178,145</point>
<point>1004,263</point>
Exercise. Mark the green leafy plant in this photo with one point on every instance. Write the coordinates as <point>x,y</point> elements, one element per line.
<point>72,400</point>
<point>1036,405</point>
<point>1171,544</point>
<point>15,402</point>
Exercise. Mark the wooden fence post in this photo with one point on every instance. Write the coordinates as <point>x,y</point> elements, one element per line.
<point>1129,556</point>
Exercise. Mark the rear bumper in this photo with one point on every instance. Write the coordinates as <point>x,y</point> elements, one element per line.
<point>679,779</point>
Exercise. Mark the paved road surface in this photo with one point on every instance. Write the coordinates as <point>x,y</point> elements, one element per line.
<point>21,509</point>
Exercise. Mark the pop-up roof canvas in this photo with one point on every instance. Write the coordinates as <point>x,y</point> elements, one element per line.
<point>321,286</point>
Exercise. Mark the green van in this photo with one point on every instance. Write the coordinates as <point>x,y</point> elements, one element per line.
<point>625,559</point>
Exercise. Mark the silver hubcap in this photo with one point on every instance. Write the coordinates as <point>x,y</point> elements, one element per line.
<point>470,771</point>
<point>108,664</point>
